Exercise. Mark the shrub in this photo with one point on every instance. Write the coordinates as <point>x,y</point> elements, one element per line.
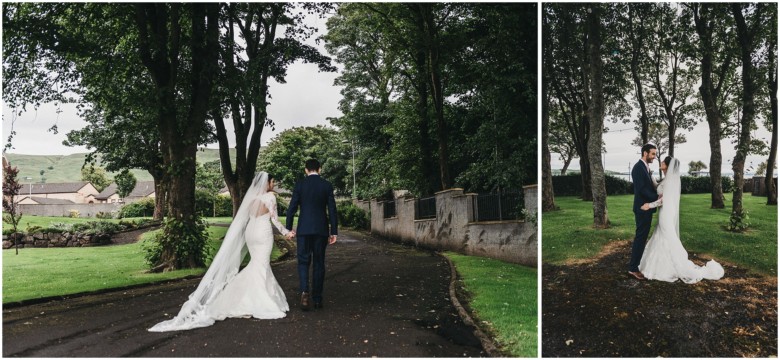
<point>352,216</point>
<point>281,205</point>
<point>739,222</point>
<point>104,215</point>
<point>73,214</point>
<point>141,208</point>
<point>186,242</point>
<point>61,226</point>
<point>701,184</point>
<point>204,204</point>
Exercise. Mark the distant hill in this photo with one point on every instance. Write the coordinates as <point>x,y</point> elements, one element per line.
<point>67,168</point>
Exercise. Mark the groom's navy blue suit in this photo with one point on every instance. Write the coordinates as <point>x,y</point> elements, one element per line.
<point>644,192</point>
<point>314,195</point>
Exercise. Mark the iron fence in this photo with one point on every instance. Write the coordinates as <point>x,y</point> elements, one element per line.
<point>389,209</point>
<point>425,208</point>
<point>498,206</point>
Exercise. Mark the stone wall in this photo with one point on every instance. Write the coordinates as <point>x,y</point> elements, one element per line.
<point>85,210</point>
<point>47,240</point>
<point>454,229</point>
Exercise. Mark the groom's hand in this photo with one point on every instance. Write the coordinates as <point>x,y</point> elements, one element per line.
<point>290,235</point>
<point>332,239</point>
<point>646,207</point>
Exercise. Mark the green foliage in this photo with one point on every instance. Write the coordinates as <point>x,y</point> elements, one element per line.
<point>352,216</point>
<point>140,208</point>
<point>739,222</point>
<point>98,227</point>
<point>185,241</point>
<point>73,214</point>
<point>701,184</point>
<point>571,185</point>
<point>286,155</point>
<point>104,215</point>
<point>694,166</point>
<point>404,140</point>
<point>125,183</point>
<point>206,204</point>
<point>96,176</point>
<point>11,187</point>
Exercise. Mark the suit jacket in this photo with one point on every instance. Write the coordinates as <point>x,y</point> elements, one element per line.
<point>313,194</point>
<point>644,191</point>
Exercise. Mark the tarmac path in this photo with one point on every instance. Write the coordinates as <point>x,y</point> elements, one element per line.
<point>381,299</point>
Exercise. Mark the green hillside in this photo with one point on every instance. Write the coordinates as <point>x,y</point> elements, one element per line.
<point>67,168</point>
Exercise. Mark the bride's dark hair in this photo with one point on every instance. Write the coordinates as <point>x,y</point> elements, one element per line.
<point>271,176</point>
<point>667,161</point>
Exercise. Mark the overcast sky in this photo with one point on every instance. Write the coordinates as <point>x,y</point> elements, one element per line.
<point>307,99</point>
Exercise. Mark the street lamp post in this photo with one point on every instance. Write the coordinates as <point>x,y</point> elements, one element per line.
<point>30,185</point>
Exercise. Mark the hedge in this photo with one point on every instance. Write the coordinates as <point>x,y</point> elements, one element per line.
<point>571,185</point>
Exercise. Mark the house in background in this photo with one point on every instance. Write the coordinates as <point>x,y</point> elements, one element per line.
<point>143,189</point>
<point>35,200</point>
<point>81,192</point>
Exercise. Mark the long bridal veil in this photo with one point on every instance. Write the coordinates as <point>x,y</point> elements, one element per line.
<point>665,257</point>
<point>223,268</point>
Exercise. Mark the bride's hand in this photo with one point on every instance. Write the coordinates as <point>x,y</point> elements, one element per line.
<point>646,207</point>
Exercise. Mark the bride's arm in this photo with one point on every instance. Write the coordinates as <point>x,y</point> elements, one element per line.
<point>274,217</point>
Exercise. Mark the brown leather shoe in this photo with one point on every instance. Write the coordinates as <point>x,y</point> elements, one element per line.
<point>305,302</point>
<point>638,275</point>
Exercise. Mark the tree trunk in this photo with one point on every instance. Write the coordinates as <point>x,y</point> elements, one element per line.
<point>431,41</point>
<point>566,163</point>
<point>637,43</point>
<point>159,46</point>
<point>587,194</point>
<point>709,94</point>
<point>596,117</point>
<point>746,37</point>
<point>160,194</point>
<point>548,193</point>
<point>771,189</point>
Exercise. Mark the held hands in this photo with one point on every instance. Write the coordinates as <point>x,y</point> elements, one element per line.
<point>332,239</point>
<point>290,235</point>
<point>646,207</point>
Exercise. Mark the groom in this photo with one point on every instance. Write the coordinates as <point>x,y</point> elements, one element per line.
<point>313,194</point>
<point>644,192</point>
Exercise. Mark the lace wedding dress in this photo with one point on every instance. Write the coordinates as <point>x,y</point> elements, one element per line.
<point>665,258</point>
<point>224,291</point>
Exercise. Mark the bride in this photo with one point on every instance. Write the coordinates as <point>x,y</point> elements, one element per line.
<point>665,258</point>
<point>224,291</point>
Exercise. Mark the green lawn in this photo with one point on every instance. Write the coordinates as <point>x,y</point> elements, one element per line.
<point>43,272</point>
<point>567,233</point>
<point>505,296</point>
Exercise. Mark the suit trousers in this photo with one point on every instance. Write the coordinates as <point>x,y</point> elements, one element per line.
<point>311,250</point>
<point>643,220</point>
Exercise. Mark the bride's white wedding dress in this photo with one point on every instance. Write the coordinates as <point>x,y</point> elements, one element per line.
<point>224,291</point>
<point>665,258</point>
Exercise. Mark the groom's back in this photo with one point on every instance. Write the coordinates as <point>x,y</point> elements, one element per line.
<point>314,195</point>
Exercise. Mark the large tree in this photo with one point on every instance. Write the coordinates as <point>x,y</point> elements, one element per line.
<point>51,51</point>
<point>595,100</point>
<point>771,81</point>
<point>258,43</point>
<point>672,75</point>
<point>548,193</point>
<point>286,154</point>
<point>749,20</point>
<point>714,49</point>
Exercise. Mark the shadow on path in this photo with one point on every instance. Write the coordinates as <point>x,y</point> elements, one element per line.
<point>594,309</point>
<point>381,299</point>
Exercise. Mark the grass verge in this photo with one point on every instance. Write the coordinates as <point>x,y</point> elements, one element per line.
<point>504,297</point>
<point>568,235</point>
<point>44,272</point>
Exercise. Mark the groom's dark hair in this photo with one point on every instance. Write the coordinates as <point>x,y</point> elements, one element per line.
<point>647,148</point>
<point>312,165</point>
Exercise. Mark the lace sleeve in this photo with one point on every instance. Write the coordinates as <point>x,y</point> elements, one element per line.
<point>271,203</point>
